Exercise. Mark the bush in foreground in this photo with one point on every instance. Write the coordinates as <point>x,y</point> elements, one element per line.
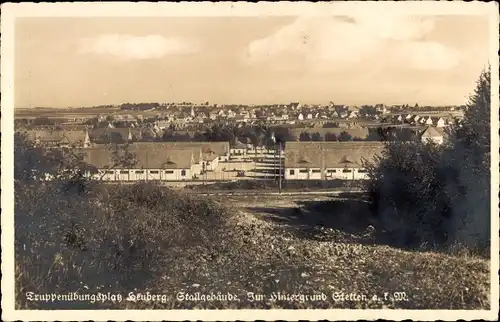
<point>406,194</point>
<point>439,196</point>
<point>120,238</point>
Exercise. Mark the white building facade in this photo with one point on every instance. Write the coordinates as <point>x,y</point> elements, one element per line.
<point>329,160</point>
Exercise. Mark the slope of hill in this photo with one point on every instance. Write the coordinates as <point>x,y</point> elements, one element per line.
<point>233,250</point>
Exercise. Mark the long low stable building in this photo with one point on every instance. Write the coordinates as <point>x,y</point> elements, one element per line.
<point>152,163</point>
<point>329,160</point>
<point>211,152</point>
<point>166,161</point>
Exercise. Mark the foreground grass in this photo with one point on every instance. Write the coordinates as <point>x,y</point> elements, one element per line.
<point>339,264</point>
<point>241,253</point>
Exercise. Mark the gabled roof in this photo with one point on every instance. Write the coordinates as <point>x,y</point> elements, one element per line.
<point>238,145</point>
<point>147,158</point>
<point>54,136</point>
<point>210,156</point>
<point>45,135</point>
<point>432,132</point>
<point>330,154</point>
<point>76,136</point>
<point>123,131</point>
<point>219,148</point>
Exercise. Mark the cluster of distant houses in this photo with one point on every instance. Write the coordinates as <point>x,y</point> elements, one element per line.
<point>191,118</point>
<point>419,119</point>
<point>323,158</point>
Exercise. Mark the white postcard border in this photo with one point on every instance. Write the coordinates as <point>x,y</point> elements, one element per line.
<point>124,9</point>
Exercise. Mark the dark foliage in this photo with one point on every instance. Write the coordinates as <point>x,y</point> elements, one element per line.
<point>72,232</point>
<point>424,194</point>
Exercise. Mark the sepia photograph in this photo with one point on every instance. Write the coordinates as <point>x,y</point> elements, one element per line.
<point>207,161</point>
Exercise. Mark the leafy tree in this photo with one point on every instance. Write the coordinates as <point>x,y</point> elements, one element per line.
<point>199,137</point>
<point>254,139</point>
<point>474,132</point>
<point>112,137</point>
<point>387,133</point>
<point>122,157</point>
<point>344,136</point>
<point>469,153</point>
<point>283,134</point>
<point>330,136</point>
<point>438,195</point>
<point>148,136</point>
<point>265,132</point>
<point>167,135</point>
<point>404,191</point>
<point>43,121</point>
<point>29,161</point>
<point>374,134</point>
<point>181,137</point>
<point>316,137</point>
<point>305,137</point>
<point>219,132</point>
<point>37,163</point>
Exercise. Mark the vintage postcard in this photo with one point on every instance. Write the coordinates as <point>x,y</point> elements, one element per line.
<point>250,161</point>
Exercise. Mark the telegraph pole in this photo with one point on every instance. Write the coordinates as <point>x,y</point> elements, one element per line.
<point>279,182</point>
<point>255,162</point>
<point>274,163</point>
<point>322,163</point>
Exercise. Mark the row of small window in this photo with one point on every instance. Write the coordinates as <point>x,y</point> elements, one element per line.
<point>292,172</point>
<point>183,172</point>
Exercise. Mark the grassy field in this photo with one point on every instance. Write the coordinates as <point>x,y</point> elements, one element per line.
<point>299,247</point>
<point>322,247</point>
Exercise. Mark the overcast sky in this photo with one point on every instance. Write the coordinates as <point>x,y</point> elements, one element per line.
<point>358,59</point>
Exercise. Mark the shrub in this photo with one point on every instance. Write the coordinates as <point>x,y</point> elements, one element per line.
<point>405,192</point>
<point>125,236</point>
<point>438,195</point>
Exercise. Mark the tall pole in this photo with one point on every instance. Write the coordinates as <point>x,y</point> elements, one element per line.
<point>274,163</point>
<point>279,151</point>
<point>255,162</point>
<point>322,163</point>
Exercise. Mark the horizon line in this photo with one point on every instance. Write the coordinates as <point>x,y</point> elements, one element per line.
<point>238,104</point>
